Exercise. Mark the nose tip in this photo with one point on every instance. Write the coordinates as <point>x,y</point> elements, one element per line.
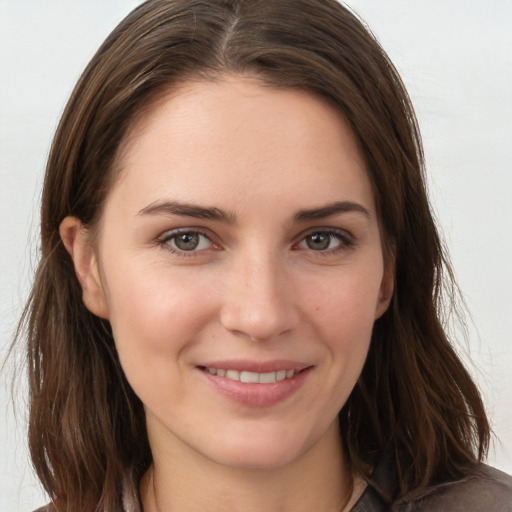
<point>250,321</point>
<point>259,305</point>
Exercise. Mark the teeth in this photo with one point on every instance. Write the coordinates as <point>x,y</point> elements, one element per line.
<point>233,374</point>
<point>253,377</point>
<point>281,375</point>
<point>249,377</point>
<point>267,378</point>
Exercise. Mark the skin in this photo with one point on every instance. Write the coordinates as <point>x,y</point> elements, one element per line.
<point>260,286</point>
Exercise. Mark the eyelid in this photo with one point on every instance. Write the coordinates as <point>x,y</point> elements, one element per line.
<point>164,238</point>
<point>346,238</point>
<point>326,229</point>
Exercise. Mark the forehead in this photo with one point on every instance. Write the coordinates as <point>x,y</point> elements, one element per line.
<point>239,135</point>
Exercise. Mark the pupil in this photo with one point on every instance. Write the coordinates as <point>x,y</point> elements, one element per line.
<point>187,241</point>
<point>318,241</point>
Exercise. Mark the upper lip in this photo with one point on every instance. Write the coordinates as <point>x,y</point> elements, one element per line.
<point>256,366</point>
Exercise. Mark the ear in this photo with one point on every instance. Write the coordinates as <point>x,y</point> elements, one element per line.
<point>85,262</point>
<point>387,287</point>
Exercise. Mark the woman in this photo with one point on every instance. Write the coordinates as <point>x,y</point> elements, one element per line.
<point>237,305</point>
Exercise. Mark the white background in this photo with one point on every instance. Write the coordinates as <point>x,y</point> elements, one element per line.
<point>455,57</point>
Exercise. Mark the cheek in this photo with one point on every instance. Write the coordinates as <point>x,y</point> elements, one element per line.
<point>155,315</point>
<point>339,317</point>
<point>344,308</point>
<point>343,316</point>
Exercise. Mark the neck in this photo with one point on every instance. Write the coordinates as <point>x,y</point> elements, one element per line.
<point>187,482</point>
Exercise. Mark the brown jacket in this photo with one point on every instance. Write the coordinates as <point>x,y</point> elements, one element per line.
<point>484,489</point>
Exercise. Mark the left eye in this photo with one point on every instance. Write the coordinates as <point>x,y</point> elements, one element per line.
<point>188,241</point>
<point>322,241</point>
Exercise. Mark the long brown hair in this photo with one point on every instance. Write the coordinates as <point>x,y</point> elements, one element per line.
<point>87,428</point>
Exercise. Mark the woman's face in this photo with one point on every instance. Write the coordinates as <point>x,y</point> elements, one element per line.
<point>239,262</point>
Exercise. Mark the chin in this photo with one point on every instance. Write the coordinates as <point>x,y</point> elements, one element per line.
<point>264,450</point>
<point>256,457</point>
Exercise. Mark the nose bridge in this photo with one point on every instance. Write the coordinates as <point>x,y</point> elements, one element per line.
<point>259,296</point>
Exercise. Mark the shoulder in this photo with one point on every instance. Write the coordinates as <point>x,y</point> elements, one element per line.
<point>485,489</point>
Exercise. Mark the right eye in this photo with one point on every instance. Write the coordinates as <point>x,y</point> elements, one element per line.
<point>185,241</point>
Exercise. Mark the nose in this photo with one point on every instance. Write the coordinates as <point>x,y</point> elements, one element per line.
<point>259,299</point>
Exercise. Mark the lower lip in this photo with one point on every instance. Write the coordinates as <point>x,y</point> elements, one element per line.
<point>257,395</point>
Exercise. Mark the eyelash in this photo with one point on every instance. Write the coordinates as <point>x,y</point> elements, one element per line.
<point>345,239</point>
<point>164,242</point>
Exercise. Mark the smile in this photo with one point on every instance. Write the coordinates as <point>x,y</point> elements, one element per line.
<point>252,377</point>
<point>273,383</point>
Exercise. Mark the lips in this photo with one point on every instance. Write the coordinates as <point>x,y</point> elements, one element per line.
<point>252,377</point>
<point>256,384</point>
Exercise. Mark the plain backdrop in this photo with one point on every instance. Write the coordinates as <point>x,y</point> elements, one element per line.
<point>455,57</point>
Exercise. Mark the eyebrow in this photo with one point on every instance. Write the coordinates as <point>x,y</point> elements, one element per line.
<point>187,210</point>
<point>213,213</point>
<point>331,209</point>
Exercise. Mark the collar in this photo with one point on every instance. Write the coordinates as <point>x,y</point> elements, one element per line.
<point>382,486</point>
